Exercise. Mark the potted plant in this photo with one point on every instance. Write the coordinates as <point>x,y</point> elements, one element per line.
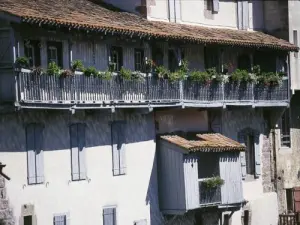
<point>177,75</point>
<point>105,75</point>
<point>90,71</point>
<point>77,65</point>
<point>214,75</point>
<point>125,73</point>
<point>200,76</point>
<point>162,72</point>
<point>240,76</point>
<point>22,62</point>
<point>149,64</point>
<point>137,75</point>
<point>213,182</point>
<point>53,69</point>
<point>66,73</point>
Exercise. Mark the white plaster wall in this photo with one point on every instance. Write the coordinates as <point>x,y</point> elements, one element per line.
<point>193,12</point>
<point>181,120</point>
<point>294,24</point>
<point>133,194</point>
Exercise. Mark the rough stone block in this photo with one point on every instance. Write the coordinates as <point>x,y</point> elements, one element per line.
<point>2,193</point>
<point>2,182</point>
<point>4,204</point>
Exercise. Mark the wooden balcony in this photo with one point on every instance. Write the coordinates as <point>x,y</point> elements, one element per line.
<point>80,90</point>
<point>209,196</point>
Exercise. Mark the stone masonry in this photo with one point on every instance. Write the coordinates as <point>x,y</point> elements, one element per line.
<point>6,213</point>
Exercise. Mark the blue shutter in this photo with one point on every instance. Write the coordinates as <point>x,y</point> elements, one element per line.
<point>118,148</point>
<point>257,156</point>
<point>81,146</point>
<point>172,10</point>
<point>109,216</point>
<point>74,152</point>
<point>245,15</point>
<point>240,14</point>
<point>215,6</point>
<point>241,139</point>
<point>30,147</point>
<point>39,153</point>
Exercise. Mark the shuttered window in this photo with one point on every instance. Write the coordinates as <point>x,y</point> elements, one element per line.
<point>55,52</point>
<point>118,147</point>
<point>109,216</point>
<point>212,5</point>
<point>250,160</point>
<point>60,220</point>
<point>296,199</point>
<point>139,60</point>
<point>77,135</point>
<point>35,157</point>
<point>243,14</point>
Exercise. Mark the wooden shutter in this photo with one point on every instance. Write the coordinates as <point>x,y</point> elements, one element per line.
<point>297,199</point>
<point>257,156</point>
<point>215,5</point>
<point>109,216</point>
<point>245,15</point>
<point>35,158</point>
<point>31,172</point>
<point>60,220</point>
<point>39,153</point>
<point>118,148</point>
<point>241,139</point>
<point>77,135</point>
<point>171,10</point>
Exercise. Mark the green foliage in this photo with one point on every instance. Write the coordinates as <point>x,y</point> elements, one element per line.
<point>112,66</point>
<point>175,76</point>
<point>162,72</point>
<point>106,75</point>
<point>53,69</point>
<point>91,71</point>
<point>77,65</point>
<point>267,78</point>
<point>199,76</point>
<point>213,182</point>
<point>22,62</point>
<point>137,75</point>
<point>240,76</point>
<point>125,73</point>
<point>184,67</point>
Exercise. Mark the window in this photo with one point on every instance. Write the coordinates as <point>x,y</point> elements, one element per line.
<point>140,222</point>
<point>227,220</point>
<point>158,56</point>
<point>212,5</point>
<point>77,135</point>
<point>243,14</point>
<point>285,129</point>
<point>138,60</point>
<point>60,220</point>
<point>289,200</point>
<point>117,57</point>
<point>27,220</point>
<point>212,58</point>
<point>244,62</point>
<point>118,148</point>
<point>246,217</point>
<point>54,52</point>
<point>250,155</point>
<point>208,165</point>
<point>109,216</point>
<point>32,52</point>
<point>35,158</point>
<point>295,39</point>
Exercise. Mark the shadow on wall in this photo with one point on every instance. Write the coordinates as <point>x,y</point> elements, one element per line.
<point>56,136</point>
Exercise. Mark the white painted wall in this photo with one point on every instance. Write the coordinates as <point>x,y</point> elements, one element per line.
<point>134,194</point>
<point>193,12</point>
<point>294,24</point>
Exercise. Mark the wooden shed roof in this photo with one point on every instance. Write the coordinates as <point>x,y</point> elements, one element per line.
<point>211,142</point>
<point>91,15</point>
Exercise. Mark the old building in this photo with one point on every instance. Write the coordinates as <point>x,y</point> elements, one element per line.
<point>175,127</point>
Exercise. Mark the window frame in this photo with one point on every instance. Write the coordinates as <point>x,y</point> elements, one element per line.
<point>119,59</point>
<point>58,47</point>
<point>285,129</point>
<point>250,155</point>
<point>33,47</point>
<point>142,57</point>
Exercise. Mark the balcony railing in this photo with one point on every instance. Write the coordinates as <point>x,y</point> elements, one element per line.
<point>209,196</point>
<point>81,89</point>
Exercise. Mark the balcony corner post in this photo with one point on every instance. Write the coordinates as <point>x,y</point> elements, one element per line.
<point>181,91</point>
<point>17,86</point>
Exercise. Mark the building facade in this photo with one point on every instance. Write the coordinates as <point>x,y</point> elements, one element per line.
<point>84,146</point>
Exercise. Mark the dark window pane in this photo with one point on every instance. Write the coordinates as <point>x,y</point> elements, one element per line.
<point>27,220</point>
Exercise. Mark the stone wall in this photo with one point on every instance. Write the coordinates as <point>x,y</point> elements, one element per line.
<point>6,213</point>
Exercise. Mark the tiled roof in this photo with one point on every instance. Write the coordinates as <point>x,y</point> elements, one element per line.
<point>213,142</point>
<point>86,14</point>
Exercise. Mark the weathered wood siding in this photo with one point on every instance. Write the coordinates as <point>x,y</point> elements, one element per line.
<point>191,182</point>
<point>171,178</point>
<point>230,172</point>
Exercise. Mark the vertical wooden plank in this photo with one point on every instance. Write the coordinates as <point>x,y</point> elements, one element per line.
<point>39,153</point>
<point>115,148</point>
<point>109,216</point>
<point>257,156</point>
<point>30,147</point>
<point>122,147</point>
<point>81,145</point>
<point>74,152</point>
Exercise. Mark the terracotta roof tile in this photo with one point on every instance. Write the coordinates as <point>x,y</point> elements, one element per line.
<point>213,142</point>
<point>85,14</point>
